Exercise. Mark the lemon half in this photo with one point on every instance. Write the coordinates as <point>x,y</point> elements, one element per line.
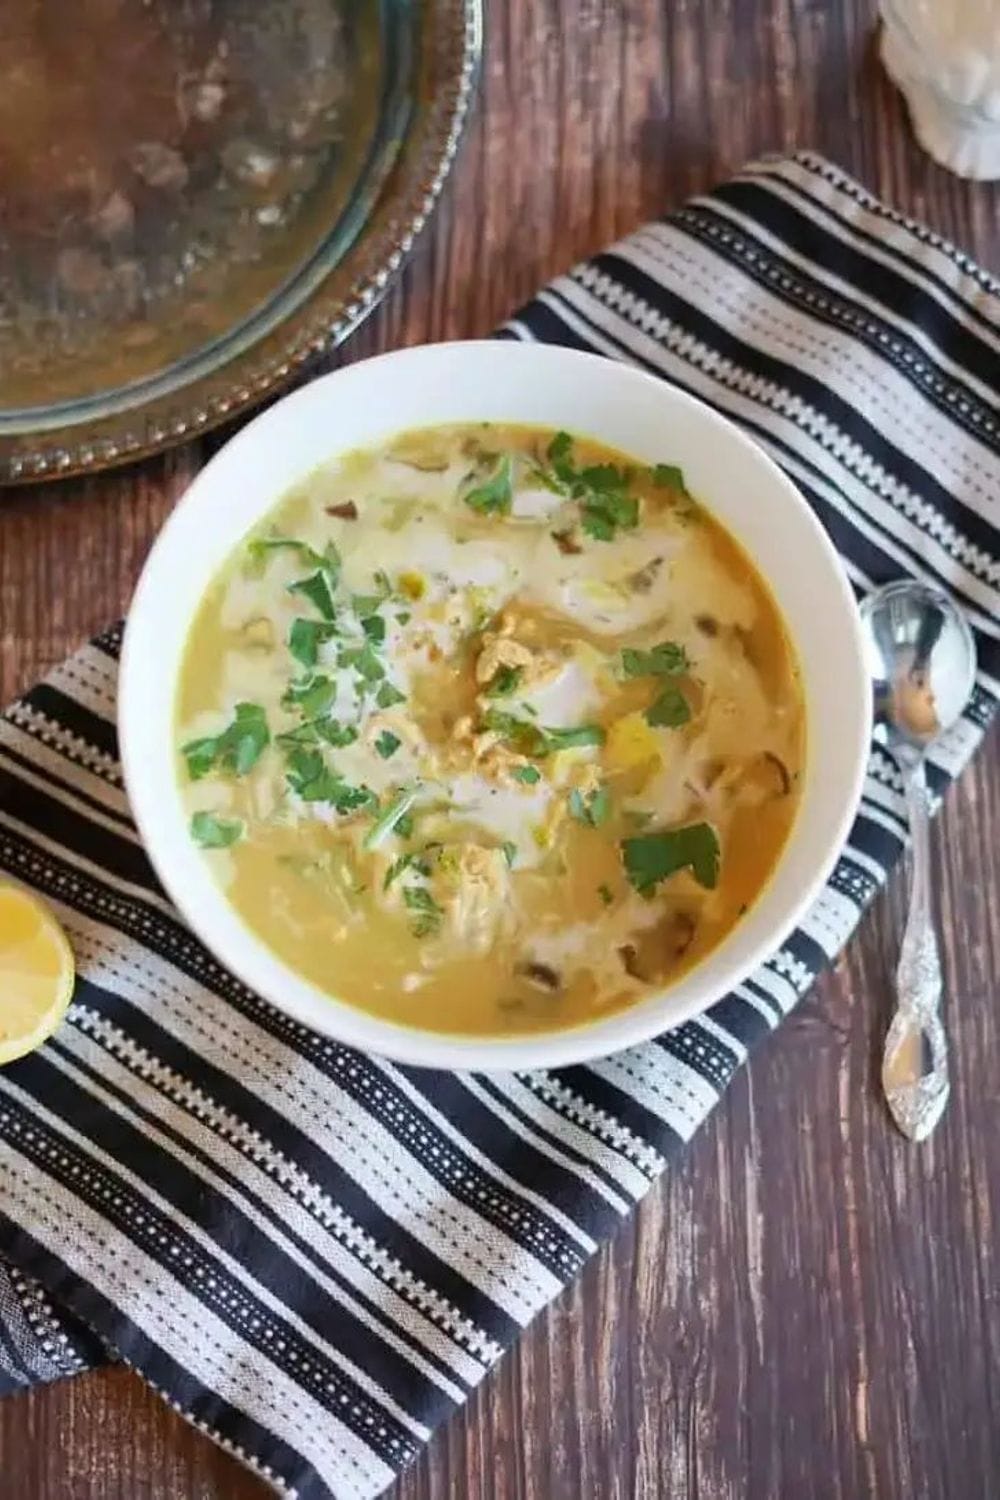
<point>36,972</point>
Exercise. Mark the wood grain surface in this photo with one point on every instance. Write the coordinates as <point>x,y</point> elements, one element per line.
<point>806,1307</point>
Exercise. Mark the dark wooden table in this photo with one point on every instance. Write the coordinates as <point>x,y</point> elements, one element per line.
<point>806,1308</point>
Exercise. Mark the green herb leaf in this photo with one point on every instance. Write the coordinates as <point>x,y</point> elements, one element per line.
<point>374,628</point>
<point>669,711</point>
<point>509,852</point>
<point>532,739</point>
<point>560,456</point>
<point>312,696</point>
<point>387,744</point>
<point>668,659</point>
<point>387,820</point>
<point>200,756</point>
<point>528,774</point>
<point>364,661</point>
<point>236,750</point>
<point>568,739</point>
<point>404,826</point>
<point>606,507</point>
<point>495,496</point>
<point>309,776</point>
<point>428,914</point>
<point>316,588</point>
<point>336,734</point>
<point>387,695</point>
<point>652,857</point>
<point>525,738</point>
<point>314,730</point>
<point>259,549</point>
<point>212,832</point>
<point>504,682</point>
<point>668,477</point>
<point>592,810</point>
<point>602,516</point>
<point>305,638</point>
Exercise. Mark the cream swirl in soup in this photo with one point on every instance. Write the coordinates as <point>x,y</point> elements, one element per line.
<point>491,729</point>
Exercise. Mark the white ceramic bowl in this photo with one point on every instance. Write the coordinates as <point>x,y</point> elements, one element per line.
<point>501,382</point>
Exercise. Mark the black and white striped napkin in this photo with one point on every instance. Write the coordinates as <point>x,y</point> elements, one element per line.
<point>316,1255</point>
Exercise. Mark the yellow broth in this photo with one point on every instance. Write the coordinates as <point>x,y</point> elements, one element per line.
<point>561,669</point>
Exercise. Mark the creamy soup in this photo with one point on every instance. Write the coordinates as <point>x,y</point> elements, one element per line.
<point>491,729</point>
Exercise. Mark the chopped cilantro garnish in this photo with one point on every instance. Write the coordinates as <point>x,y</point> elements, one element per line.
<point>364,661</point>
<point>528,774</point>
<point>374,628</point>
<point>669,711</point>
<point>415,859</point>
<point>404,617</point>
<point>668,659</point>
<point>391,816</point>
<point>236,750</point>
<point>365,604</point>
<point>305,638</point>
<point>387,695</point>
<point>593,809</point>
<point>533,739</point>
<point>336,734</point>
<point>560,457</point>
<point>602,516</point>
<point>504,682</point>
<point>526,738</point>
<point>404,826</point>
<point>314,730</point>
<point>428,914</point>
<point>509,851</point>
<point>495,495</point>
<point>212,832</point>
<point>328,560</point>
<point>604,891</point>
<point>387,743</point>
<point>318,590</point>
<point>382,582</point>
<point>651,857</point>
<point>568,739</point>
<point>305,734</point>
<point>312,696</point>
<point>668,477</point>
<point>606,507</point>
<point>309,776</point>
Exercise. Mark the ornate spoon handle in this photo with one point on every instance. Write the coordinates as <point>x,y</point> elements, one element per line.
<point>915,1059</point>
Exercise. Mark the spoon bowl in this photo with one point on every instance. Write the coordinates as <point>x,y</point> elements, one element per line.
<point>922,658</point>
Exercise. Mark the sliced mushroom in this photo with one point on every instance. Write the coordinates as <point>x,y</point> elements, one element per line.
<point>781,771</point>
<point>543,976</point>
<point>642,580</point>
<point>630,958</point>
<point>567,543</point>
<point>654,953</point>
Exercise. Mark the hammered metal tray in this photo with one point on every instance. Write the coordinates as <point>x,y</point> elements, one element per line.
<point>198,195</point>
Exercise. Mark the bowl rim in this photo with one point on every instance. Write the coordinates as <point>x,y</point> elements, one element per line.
<point>364,1030</point>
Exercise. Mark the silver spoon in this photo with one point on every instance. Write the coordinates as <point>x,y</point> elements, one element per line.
<point>922,659</point>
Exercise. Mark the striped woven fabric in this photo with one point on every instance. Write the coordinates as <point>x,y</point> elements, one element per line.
<point>316,1255</point>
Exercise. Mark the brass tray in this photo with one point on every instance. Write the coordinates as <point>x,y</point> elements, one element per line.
<point>197,197</point>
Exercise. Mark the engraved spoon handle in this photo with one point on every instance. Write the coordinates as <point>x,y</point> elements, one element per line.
<point>915,1060</point>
